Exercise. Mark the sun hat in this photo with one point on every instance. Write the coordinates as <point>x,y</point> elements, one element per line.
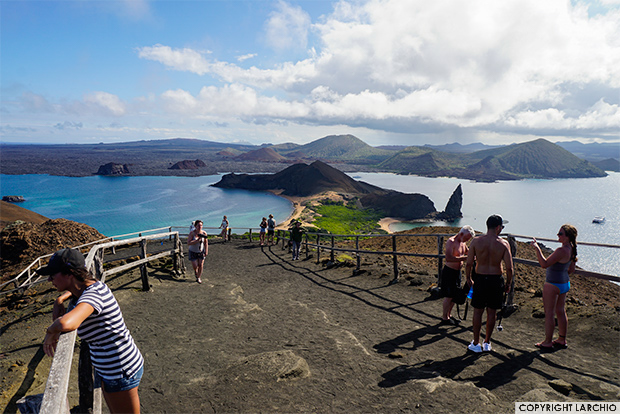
<point>62,260</point>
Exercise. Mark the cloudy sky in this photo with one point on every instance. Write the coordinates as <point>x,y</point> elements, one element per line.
<point>388,71</point>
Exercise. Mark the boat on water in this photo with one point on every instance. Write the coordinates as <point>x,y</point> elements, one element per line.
<point>598,219</point>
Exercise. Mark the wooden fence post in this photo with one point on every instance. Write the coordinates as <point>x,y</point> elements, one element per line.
<point>250,236</point>
<point>306,237</point>
<point>143,271</point>
<point>394,259</point>
<point>357,252</point>
<point>439,259</point>
<point>85,379</point>
<point>513,250</point>
<point>318,248</point>
<point>331,255</point>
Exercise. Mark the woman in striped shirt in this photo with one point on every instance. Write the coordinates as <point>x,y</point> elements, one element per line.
<point>94,312</point>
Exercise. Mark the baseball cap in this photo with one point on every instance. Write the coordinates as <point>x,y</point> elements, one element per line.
<point>495,220</point>
<point>61,260</point>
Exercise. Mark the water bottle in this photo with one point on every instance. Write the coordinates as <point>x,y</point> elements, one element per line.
<point>471,292</point>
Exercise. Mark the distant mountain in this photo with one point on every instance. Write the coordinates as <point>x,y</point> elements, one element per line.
<point>341,148</point>
<point>461,149</point>
<point>610,164</point>
<point>263,155</point>
<point>540,159</point>
<point>421,161</point>
<point>593,151</point>
<point>534,159</point>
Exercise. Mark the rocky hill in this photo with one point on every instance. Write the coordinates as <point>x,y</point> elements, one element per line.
<point>22,242</point>
<point>262,155</point>
<point>299,180</point>
<point>534,159</point>
<point>188,165</point>
<point>339,148</point>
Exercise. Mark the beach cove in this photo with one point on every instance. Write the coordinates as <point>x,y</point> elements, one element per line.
<point>120,205</point>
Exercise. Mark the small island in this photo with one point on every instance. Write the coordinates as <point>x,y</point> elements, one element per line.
<point>305,185</point>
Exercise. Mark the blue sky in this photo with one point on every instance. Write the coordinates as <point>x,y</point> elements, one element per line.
<point>405,72</point>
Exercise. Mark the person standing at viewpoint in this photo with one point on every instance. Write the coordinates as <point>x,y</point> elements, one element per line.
<point>94,312</point>
<point>488,251</point>
<point>456,254</point>
<point>557,284</point>
<point>263,231</point>
<point>198,247</point>
<point>271,228</point>
<point>224,227</point>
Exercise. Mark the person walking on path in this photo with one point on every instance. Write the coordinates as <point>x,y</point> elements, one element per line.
<point>271,228</point>
<point>456,254</point>
<point>94,312</point>
<point>488,251</point>
<point>296,236</point>
<point>557,284</point>
<point>198,247</point>
<point>224,227</point>
<point>263,231</point>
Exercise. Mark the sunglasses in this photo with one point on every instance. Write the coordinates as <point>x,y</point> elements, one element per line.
<point>561,234</point>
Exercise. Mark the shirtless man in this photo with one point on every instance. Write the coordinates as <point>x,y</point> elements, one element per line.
<point>456,254</point>
<point>489,251</point>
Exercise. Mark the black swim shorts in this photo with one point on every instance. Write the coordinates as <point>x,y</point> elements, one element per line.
<point>196,256</point>
<point>450,281</point>
<point>488,291</point>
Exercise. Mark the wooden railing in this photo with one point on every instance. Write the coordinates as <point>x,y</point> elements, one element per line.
<point>55,395</point>
<point>281,234</point>
<point>28,277</point>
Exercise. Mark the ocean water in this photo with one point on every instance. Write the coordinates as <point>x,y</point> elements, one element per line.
<point>535,208</point>
<point>121,205</point>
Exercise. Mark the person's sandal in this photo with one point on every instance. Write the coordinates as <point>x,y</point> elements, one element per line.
<point>560,345</point>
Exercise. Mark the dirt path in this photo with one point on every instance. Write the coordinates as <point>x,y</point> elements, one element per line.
<point>267,334</point>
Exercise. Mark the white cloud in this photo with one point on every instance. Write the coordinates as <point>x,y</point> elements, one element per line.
<point>243,58</point>
<point>287,27</point>
<point>107,102</point>
<point>461,64</point>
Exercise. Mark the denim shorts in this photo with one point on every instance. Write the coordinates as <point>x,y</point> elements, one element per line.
<point>119,384</point>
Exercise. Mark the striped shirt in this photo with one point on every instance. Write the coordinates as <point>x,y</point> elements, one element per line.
<point>112,349</point>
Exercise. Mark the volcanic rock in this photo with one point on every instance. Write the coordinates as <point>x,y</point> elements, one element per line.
<point>13,199</point>
<point>112,168</point>
<point>188,165</point>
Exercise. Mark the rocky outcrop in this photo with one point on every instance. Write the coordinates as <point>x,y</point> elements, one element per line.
<point>188,165</point>
<point>22,242</point>
<point>453,208</point>
<point>401,205</point>
<point>112,168</point>
<point>13,199</point>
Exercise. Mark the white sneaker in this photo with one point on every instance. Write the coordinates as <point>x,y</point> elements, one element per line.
<point>486,346</point>
<point>474,348</point>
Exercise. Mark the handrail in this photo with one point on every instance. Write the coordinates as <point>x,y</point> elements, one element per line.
<point>55,395</point>
<point>439,256</point>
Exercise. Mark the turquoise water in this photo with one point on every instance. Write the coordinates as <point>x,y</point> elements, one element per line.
<point>533,208</point>
<point>121,205</point>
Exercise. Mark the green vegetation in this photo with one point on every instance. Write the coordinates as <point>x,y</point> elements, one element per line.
<point>337,218</point>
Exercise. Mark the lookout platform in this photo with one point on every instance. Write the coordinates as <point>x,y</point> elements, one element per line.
<point>263,333</point>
